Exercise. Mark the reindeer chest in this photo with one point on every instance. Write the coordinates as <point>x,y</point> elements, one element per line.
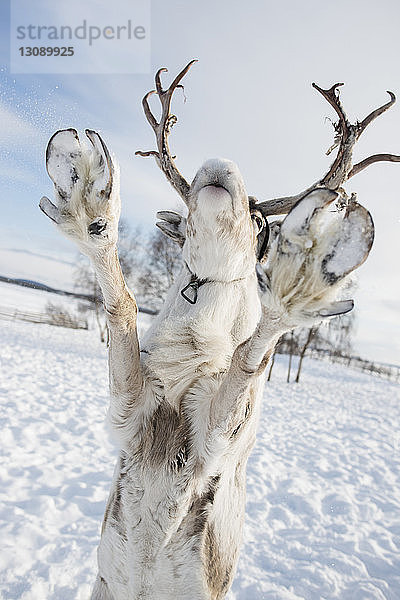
<point>179,359</point>
<point>198,341</point>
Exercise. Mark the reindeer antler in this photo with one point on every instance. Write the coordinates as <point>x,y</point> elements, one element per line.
<point>162,130</point>
<point>346,136</point>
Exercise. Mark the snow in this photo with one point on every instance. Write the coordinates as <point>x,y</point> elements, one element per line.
<point>18,298</point>
<point>323,506</point>
<point>323,491</point>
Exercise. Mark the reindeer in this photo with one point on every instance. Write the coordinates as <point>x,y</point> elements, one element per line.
<point>185,401</point>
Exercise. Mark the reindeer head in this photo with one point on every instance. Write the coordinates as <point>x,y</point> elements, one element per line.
<point>220,237</point>
<point>226,231</point>
<point>217,200</point>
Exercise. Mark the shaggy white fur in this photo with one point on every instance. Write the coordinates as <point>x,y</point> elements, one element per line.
<point>185,402</point>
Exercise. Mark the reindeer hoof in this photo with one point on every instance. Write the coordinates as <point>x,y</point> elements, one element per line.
<point>350,243</point>
<point>340,240</point>
<point>317,246</point>
<point>87,204</point>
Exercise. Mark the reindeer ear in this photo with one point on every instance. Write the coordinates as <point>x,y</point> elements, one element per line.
<point>62,154</point>
<point>173,225</point>
<point>103,184</point>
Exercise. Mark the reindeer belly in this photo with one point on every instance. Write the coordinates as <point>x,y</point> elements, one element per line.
<point>164,538</point>
<point>173,550</point>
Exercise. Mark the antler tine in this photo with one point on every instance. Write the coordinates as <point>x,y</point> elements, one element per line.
<point>363,164</point>
<point>375,113</point>
<point>334,100</point>
<point>149,115</point>
<point>162,130</point>
<point>180,76</point>
<point>346,138</point>
<point>158,79</point>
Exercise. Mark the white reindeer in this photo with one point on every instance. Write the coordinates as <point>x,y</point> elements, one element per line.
<point>185,401</point>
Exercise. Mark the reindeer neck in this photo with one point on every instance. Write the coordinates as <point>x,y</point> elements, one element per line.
<point>187,340</point>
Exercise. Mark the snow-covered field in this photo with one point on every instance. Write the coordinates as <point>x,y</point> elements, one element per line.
<point>21,299</point>
<point>323,509</point>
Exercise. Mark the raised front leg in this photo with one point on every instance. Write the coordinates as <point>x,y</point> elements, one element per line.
<point>87,211</point>
<point>316,248</point>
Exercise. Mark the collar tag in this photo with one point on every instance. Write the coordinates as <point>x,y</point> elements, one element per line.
<point>190,291</point>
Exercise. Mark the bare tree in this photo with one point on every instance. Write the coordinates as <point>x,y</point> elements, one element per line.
<point>85,281</point>
<point>291,352</point>
<point>339,334</point>
<point>130,250</point>
<point>306,344</point>
<point>333,338</point>
<point>271,364</point>
<point>163,261</point>
<point>62,317</point>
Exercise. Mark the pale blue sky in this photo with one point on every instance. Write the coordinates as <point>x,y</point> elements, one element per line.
<point>249,98</point>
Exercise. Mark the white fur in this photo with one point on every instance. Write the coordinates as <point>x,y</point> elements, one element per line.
<point>184,411</point>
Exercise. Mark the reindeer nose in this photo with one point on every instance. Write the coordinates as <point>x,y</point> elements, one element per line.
<point>219,173</point>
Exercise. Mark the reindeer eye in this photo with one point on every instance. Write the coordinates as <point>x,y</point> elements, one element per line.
<point>258,221</point>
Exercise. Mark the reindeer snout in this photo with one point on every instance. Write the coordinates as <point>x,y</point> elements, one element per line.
<point>219,173</point>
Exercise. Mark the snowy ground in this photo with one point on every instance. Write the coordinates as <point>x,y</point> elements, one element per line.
<point>55,272</point>
<point>21,299</point>
<point>323,510</point>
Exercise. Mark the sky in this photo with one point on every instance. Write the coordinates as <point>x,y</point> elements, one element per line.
<point>249,98</point>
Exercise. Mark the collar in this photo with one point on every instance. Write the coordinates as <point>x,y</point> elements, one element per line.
<point>190,291</point>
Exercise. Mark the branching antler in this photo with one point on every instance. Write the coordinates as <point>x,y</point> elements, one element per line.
<point>346,136</point>
<point>342,168</point>
<point>162,130</point>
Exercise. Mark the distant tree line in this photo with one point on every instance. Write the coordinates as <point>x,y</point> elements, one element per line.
<point>149,263</point>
